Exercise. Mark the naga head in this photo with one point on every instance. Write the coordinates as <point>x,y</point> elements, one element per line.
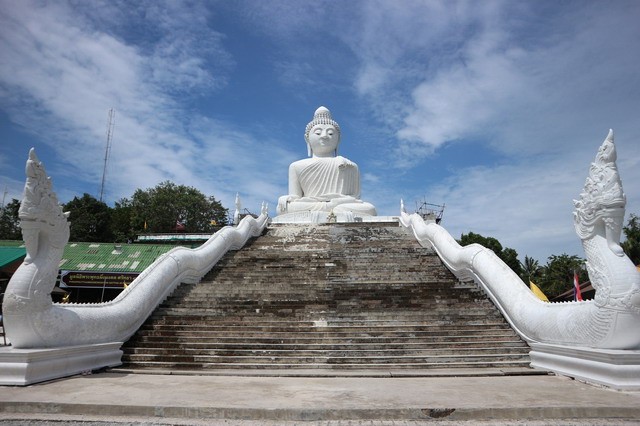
<point>607,152</point>
<point>600,209</point>
<point>40,213</point>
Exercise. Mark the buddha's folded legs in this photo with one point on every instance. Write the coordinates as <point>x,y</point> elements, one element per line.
<point>358,208</point>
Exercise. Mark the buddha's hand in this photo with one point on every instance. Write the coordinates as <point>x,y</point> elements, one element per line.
<point>284,201</point>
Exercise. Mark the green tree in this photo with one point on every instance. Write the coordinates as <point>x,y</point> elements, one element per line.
<point>121,225</point>
<point>531,270</point>
<point>631,245</point>
<point>162,208</point>
<point>557,274</point>
<point>510,257</point>
<point>507,255</point>
<point>90,219</point>
<point>488,242</point>
<point>10,222</point>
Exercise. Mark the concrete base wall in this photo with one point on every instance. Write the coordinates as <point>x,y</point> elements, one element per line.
<point>617,369</point>
<point>21,367</point>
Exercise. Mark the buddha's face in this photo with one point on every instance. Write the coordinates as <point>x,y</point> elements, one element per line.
<point>323,140</point>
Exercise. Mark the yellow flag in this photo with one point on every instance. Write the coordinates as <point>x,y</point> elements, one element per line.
<point>538,292</point>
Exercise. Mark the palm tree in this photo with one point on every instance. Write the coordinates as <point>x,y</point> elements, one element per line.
<point>530,268</point>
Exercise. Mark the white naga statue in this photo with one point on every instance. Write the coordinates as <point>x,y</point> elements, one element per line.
<point>612,319</point>
<point>595,340</point>
<point>32,320</point>
<point>325,182</point>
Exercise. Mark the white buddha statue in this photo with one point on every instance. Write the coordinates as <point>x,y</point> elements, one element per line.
<point>325,182</point>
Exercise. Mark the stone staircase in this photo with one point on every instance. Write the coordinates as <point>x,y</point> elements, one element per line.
<point>333,298</point>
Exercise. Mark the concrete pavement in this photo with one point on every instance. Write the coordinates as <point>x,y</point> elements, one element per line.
<point>116,397</point>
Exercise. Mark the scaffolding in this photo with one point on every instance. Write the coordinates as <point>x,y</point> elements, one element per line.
<point>430,211</point>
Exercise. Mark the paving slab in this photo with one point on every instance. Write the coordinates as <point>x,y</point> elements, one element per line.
<point>116,396</point>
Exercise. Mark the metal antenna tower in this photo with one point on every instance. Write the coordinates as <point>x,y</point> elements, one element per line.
<point>6,191</point>
<point>111,122</point>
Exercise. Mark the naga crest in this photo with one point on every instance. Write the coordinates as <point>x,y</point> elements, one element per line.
<point>40,210</point>
<point>602,201</point>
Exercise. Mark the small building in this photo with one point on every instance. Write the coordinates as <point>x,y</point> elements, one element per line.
<point>98,272</point>
<point>586,290</point>
<point>12,254</point>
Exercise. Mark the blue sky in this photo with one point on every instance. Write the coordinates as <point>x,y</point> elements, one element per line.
<point>494,108</point>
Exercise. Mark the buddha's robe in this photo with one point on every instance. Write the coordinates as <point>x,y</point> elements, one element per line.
<point>324,184</point>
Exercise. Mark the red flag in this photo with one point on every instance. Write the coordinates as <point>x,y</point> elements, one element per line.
<point>577,295</point>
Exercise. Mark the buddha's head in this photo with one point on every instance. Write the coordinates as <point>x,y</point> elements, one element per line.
<point>322,134</point>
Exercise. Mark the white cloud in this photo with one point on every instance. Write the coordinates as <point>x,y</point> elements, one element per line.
<point>521,96</point>
<point>461,100</point>
<point>528,206</point>
<point>72,67</point>
<point>521,207</point>
<point>11,189</point>
<point>542,102</point>
<point>535,86</point>
<point>370,177</point>
<point>231,160</point>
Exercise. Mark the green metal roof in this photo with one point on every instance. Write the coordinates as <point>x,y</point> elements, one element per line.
<point>111,257</point>
<point>11,243</point>
<point>174,237</point>
<point>9,255</point>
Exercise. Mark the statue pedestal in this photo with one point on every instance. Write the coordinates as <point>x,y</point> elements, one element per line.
<point>325,217</point>
<point>21,367</point>
<point>617,369</point>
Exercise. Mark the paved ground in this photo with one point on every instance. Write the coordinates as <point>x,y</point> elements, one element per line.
<point>109,398</point>
<point>59,420</point>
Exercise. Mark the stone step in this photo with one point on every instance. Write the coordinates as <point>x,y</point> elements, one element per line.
<point>153,345</point>
<point>364,297</point>
<point>300,340</point>
<point>336,310</point>
<point>427,329</point>
<point>326,359</point>
<point>317,311</point>
<point>258,321</point>
<point>356,296</point>
<point>321,315</point>
<point>332,352</point>
<point>309,327</point>
<point>304,292</point>
<point>391,296</point>
<point>322,333</point>
<point>323,365</point>
<point>433,308</point>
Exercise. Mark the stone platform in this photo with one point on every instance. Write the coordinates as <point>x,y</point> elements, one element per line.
<point>327,217</point>
<point>181,399</point>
